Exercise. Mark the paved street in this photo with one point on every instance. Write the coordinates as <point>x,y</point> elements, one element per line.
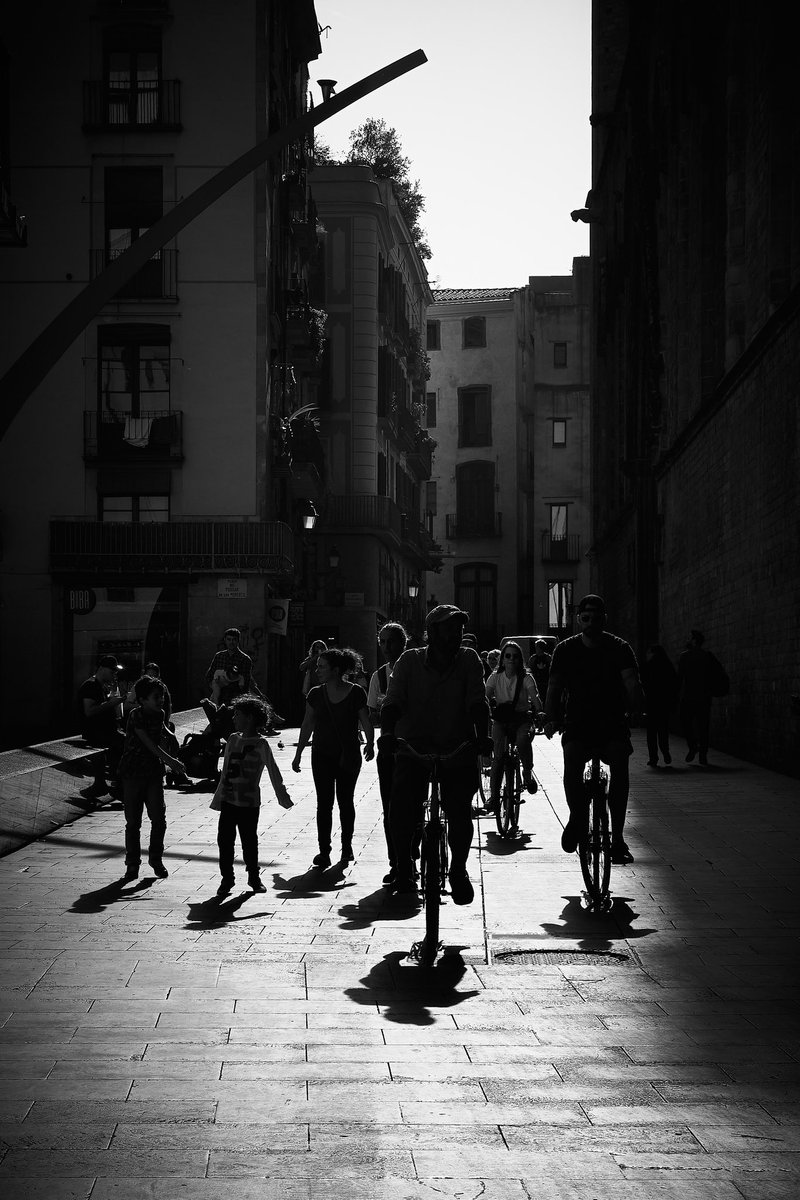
<point>161,1044</point>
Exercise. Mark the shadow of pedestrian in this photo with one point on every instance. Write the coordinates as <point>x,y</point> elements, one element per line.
<point>406,991</point>
<point>596,931</point>
<point>207,914</point>
<point>98,900</point>
<point>312,882</point>
<point>380,905</point>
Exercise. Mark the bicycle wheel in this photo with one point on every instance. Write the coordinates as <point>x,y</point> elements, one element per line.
<point>505,809</point>
<point>431,860</point>
<point>594,847</point>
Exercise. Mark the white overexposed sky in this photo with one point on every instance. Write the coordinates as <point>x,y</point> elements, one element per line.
<point>496,124</point>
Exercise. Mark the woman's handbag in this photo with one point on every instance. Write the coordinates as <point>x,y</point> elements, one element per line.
<point>507,713</point>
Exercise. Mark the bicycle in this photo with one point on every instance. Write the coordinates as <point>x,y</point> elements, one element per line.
<point>507,811</point>
<point>434,853</point>
<point>594,844</point>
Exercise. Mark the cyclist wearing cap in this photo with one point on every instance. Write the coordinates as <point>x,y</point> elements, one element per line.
<point>436,701</point>
<point>594,685</point>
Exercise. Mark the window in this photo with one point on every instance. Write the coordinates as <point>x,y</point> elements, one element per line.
<point>133,201</point>
<point>430,410</point>
<point>383,475</point>
<point>559,433</point>
<point>558,521</point>
<point>132,74</point>
<point>134,371</point>
<point>559,354</point>
<point>474,416</point>
<point>475,515</point>
<point>559,603</point>
<point>138,509</point>
<point>433,335</point>
<point>476,593</point>
<point>431,496</point>
<point>474,332</point>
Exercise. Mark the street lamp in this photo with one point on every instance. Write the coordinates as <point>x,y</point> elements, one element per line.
<point>308,514</point>
<point>413,588</point>
<point>333,558</point>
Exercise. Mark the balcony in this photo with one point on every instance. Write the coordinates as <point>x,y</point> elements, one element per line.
<point>408,428</point>
<point>156,280</point>
<point>563,549</point>
<point>213,547</point>
<point>156,435</point>
<point>420,459</point>
<point>363,514</point>
<point>488,525</point>
<point>152,107</point>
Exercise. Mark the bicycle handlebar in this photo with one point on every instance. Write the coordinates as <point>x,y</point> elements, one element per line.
<point>404,747</point>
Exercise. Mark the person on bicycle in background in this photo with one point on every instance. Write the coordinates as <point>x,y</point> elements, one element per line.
<point>436,701</point>
<point>514,700</point>
<point>594,685</point>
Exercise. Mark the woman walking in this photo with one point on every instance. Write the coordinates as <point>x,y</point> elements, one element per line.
<point>334,711</point>
<point>308,666</point>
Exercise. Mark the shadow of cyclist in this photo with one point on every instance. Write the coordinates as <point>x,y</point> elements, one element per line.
<point>596,931</point>
<point>407,991</point>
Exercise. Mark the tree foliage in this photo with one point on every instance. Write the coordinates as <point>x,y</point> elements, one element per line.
<point>377,145</point>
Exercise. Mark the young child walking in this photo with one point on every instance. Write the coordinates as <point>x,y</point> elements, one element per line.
<point>238,795</point>
<point>141,771</point>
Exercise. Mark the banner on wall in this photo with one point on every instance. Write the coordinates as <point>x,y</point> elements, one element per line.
<point>277,616</point>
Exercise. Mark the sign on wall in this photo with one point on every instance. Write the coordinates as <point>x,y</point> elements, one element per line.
<point>232,589</point>
<point>80,601</point>
<point>277,616</point>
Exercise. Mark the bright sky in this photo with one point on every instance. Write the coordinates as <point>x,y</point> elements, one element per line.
<point>496,124</point>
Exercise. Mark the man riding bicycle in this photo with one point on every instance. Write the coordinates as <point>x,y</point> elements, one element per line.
<point>593,686</point>
<point>435,701</point>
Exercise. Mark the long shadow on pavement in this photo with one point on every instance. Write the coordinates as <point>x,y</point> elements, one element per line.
<point>502,847</point>
<point>208,914</point>
<point>596,931</point>
<point>312,882</point>
<point>379,905</point>
<point>98,900</point>
<point>406,990</point>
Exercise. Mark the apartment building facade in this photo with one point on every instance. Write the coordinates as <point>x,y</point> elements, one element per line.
<point>142,509</point>
<point>370,550</point>
<point>507,402</point>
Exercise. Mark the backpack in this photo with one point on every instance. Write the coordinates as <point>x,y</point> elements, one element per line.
<point>200,756</point>
<point>718,682</point>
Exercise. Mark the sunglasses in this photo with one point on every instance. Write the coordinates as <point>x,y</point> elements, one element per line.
<point>517,656</point>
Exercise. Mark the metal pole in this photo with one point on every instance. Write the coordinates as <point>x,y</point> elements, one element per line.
<point>34,363</point>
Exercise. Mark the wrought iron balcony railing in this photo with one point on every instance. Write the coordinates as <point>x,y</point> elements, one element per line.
<point>566,548</point>
<point>480,525</point>
<point>152,106</point>
<point>212,546</point>
<point>155,435</point>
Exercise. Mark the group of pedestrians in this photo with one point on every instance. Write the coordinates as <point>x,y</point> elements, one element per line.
<point>691,688</point>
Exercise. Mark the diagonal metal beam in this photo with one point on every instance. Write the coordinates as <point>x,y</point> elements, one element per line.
<point>41,356</point>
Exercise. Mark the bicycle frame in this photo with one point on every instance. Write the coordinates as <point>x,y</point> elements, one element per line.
<point>434,852</point>
<point>507,812</point>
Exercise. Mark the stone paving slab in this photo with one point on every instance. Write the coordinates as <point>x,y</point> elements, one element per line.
<point>158,1043</point>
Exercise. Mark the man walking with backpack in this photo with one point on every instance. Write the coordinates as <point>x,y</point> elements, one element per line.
<point>700,677</point>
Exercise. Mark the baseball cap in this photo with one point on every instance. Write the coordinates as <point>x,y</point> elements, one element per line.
<point>109,660</point>
<point>591,601</point>
<point>443,612</point>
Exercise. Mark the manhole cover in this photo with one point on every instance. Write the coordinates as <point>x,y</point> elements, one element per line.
<point>561,958</point>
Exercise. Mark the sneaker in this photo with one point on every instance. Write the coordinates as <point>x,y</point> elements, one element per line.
<point>569,838</point>
<point>461,888</point>
<point>390,878</point>
<point>652,762</point>
<point>226,886</point>
<point>323,861</point>
<point>691,755</point>
<point>531,786</point>
<point>667,759</point>
<point>159,870</point>
<point>255,883</point>
<point>406,889</point>
<point>620,854</point>
<point>347,855</point>
<point>131,873</point>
